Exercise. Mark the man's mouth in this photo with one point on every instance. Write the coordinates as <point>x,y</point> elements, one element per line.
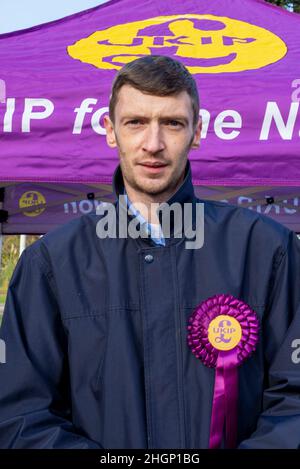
<point>153,167</point>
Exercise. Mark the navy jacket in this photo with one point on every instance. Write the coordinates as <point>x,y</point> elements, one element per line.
<point>96,336</point>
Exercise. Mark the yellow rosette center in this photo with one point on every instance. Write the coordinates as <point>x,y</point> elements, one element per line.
<point>224,332</point>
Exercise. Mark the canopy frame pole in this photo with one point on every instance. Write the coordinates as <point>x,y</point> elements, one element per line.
<point>3,217</point>
<point>22,246</point>
<point>1,236</point>
<point>1,244</point>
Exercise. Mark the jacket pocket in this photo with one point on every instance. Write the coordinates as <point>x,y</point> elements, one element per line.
<point>87,343</point>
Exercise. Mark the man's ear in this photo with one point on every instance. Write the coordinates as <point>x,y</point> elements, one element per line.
<point>197,134</point>
<point>110,133</point>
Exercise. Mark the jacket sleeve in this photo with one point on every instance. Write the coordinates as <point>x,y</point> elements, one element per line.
<point>34,388</point>
<point>279,422</point>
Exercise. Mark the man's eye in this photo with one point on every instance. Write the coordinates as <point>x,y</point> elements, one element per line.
<point>134,122</point>
<point>173,123</point>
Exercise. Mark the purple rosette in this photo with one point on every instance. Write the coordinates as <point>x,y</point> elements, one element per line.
<point>225,347</point>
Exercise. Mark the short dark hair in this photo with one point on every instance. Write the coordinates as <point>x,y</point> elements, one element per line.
<point>157,75</point>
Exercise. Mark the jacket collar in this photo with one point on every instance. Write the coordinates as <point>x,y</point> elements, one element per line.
<point>184,194</point>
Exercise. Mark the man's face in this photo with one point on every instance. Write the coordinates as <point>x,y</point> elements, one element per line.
<point>153,135</point>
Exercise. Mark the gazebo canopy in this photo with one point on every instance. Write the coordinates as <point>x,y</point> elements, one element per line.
<point>55,86</point>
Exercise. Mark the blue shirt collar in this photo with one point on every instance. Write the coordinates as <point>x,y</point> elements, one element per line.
<point>154,231</point>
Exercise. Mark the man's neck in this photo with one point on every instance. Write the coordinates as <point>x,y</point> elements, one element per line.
<point>146,204</point>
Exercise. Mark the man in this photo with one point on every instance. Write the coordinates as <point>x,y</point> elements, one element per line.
<point>96,328</point>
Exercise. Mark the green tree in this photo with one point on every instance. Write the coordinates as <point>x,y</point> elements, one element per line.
<point>287,3</point>
<point>9,259</point>
<point>10,255</point>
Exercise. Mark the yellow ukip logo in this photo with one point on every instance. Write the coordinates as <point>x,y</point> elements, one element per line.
<point>30,199</point>
<point>224,332</point>
<point>204,43</point>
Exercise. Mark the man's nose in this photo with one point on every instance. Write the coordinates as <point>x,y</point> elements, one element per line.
<point>153,139</point>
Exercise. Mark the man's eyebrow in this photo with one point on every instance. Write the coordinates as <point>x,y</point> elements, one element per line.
<point>132,116</point>
<point>175,118</point>
<point>161,118</point>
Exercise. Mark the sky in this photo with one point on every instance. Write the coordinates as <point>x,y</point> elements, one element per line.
<point>21,14</point>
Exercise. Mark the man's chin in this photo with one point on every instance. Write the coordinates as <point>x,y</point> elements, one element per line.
<point>153,187</point>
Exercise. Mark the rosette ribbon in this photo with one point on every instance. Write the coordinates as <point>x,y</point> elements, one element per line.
<point>223,332</point>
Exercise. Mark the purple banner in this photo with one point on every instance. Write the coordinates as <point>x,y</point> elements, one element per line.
<point>38,208</point>
<point>55,83</point>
